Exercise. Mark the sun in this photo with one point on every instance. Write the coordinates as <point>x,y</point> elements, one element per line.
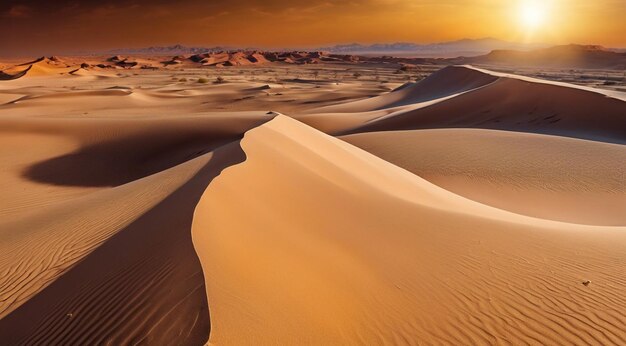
<point>533,14</point>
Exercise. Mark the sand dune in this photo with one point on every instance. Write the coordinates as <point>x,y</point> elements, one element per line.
<point>4,76</point>
<point>99,247</point>
<point>130,278</point>
<point>569,56</point>
<point>509,103</point>
<point>85,72</point>
<point>447,82</point>
<point>37,68</point>
<point>247,58</point>
<point>156,206</point>
<point>523,173</point>
<point>519,105</point>
<point>338,247</point>
<point>103,152</point>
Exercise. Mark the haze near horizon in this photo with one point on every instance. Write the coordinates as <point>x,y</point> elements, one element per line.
<point>42,27</point>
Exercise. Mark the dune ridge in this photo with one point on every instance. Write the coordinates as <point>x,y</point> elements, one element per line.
<point>515,171</point>
<point>447,82</point>
<point>369,256</point>
<point>99,249</point>
<point>507,102</point>
<point>149,207</point>
<point>37,68</point>
<point>140,283</point>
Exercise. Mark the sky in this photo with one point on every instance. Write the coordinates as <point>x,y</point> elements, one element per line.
<point>39,27</point>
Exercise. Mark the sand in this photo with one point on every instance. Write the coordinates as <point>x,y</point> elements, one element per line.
<point>307,205</point>
<point>95,227</point>
<point>519,172</point>
<point>330,245</point>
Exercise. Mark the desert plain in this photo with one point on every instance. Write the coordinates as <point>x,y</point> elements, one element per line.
<point>239,200</point>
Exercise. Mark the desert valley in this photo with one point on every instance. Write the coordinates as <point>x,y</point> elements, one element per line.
<point>364,172</point>
<point>313,199</point>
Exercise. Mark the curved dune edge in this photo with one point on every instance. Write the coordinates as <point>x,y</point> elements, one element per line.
<point>517,105</point>
<point>467,97</point>
<point>311,240</point>
<point>303,238</point>
<point>608,93</point>
<point>550,177</point>
<point>39,68</point>
<point>90,284</point>
<point>17,75</point>
<point>445,83</point>
<point>99,250</point>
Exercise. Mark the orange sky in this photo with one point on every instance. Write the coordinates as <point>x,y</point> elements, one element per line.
<point>46,27</point>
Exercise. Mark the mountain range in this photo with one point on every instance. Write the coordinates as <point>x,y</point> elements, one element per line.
<point>465,47</point>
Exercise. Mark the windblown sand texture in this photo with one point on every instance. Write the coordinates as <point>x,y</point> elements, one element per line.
<point>286,206</point>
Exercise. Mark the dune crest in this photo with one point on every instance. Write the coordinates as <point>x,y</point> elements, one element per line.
<point>519,172</point>
<point>181,204</point>
<point>498,101</point>
<point>445,83</point>
<point>41,67</point>
<point>96,218</point>
<point>324,256</point>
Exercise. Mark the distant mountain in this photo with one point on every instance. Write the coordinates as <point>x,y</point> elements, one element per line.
<point>167,50</point>
<point>481,51</point>
<point>567,56</point>
<point>465,47</point>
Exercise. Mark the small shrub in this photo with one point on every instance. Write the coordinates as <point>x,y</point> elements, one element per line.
<point>219,80</point>
<point>182,80</point>
<point>203,80</point>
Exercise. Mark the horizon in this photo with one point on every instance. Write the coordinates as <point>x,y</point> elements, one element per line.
<point>36,27</point>
<point>519,46</point>
<point>335,172</point>
<point>369,44</point>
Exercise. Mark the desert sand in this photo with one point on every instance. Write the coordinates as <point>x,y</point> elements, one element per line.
<point>253,199</point>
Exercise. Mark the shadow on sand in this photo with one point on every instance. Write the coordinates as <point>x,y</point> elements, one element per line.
<point>143,285</point>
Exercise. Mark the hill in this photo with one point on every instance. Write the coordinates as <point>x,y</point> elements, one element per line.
<point>573,56</point>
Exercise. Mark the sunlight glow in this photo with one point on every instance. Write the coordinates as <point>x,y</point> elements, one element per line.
<point>533,14</point>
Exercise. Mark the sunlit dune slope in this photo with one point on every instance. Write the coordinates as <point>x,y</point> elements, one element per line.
<point>37,68</point>
<point>549,177</point>
<point>473,207</point>
<point>313,241</point>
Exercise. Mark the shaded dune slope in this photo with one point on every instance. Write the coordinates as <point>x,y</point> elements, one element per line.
<point>444,83</point>
<point>421,224</point>
<point>106,256</point>
<point>37,68</point>
<point>517,105</point>
<point>465,97</point>
<point>8,76</point>
<point>143,284</point>
<point>340,247</point>
<point>114,152</point>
